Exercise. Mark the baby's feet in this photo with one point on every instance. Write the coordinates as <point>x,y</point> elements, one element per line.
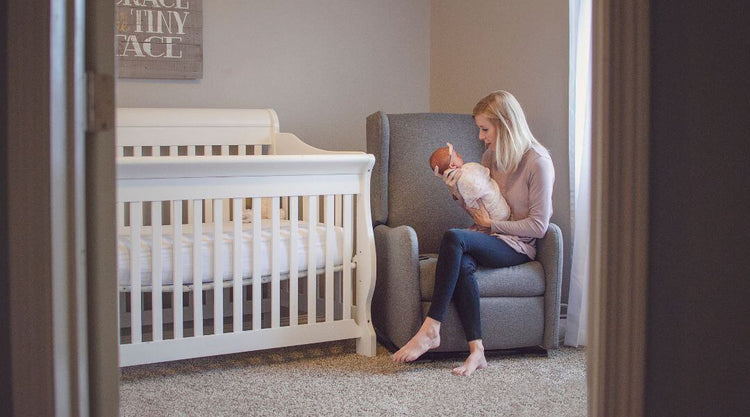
<point>428,337</point>
<point>476,360</point>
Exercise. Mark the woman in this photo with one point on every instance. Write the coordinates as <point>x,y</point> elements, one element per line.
<point>523,170</point>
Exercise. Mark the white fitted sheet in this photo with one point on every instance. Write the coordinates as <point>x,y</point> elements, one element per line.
<point>227,252</point>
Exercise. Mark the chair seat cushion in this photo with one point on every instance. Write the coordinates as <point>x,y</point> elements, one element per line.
<point>525,280</point>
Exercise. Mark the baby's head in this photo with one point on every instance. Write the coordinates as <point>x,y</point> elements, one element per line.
<point>445,158</point>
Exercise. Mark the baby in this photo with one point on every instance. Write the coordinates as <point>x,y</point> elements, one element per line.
<point>474,184</point>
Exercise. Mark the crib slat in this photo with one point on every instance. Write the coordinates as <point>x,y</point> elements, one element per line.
<point>347,257</point>
<point>338,210</point>
<point>197,268</point>
<point>330,239</point>
<point>311,267</point>
<point>136,220</point>
<point>257,286</point>
<point>177,268</point>
<point>236,265</point>
<point>275,269</point>
<point>293,267</point>
<point>218,273</point>
<point>156,270</point>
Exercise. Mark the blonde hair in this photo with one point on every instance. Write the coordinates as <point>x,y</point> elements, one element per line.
<point>514,137</point>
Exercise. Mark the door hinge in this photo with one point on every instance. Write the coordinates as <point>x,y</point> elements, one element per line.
<point>100,99</point>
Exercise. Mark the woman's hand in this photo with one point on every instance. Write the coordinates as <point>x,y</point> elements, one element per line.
<point>450,178</point>
<point>477,228</point>
<point>480,215</point>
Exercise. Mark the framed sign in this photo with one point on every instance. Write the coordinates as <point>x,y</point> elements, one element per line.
<point>159,38</point>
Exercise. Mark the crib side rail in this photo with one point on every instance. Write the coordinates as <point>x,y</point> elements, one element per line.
<point>332,190</point>
<point>290,144</point>
<point>154,132</point>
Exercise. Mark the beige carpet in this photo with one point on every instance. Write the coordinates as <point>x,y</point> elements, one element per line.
<point>329,379</point>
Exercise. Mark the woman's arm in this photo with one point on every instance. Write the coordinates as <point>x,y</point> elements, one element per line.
<point>541,181</point>
<point>481,217</point>
<point>450,178</point>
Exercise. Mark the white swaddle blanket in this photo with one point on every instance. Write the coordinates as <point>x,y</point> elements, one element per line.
<point>476,184</point>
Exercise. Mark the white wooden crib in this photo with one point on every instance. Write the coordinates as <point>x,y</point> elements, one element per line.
<point>306,275</point>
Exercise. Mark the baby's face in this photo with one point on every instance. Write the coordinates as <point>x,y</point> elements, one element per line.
<point>456,160</point>
<point>443,159</point>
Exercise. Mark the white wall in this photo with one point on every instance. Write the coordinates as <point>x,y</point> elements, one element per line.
<point>478,46</point>
<point>323,65</point>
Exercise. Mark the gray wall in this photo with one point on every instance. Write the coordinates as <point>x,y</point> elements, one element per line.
<point>478,46</point>
<point>323,65</point>
<point>699,268</point>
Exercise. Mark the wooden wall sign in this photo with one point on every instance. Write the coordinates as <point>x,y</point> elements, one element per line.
<point>159,38</point>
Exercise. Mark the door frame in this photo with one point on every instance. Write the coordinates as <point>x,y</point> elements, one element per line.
<point>58,210</point>
<point>101,240</point>
<point>616,355</point>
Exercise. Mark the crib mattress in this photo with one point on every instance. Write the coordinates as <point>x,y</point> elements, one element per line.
<point>226,257</point>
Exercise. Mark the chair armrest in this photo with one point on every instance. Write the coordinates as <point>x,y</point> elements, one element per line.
<point>549,252</point>
<point>396,303</point>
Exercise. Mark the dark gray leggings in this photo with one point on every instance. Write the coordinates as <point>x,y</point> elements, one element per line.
<point>461,251</point>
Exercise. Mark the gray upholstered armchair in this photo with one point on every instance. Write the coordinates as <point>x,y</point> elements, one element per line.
<point>412,209</point>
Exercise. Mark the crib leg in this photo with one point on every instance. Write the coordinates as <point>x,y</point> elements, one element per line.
<point>365,278</point>
<point>366,344</point>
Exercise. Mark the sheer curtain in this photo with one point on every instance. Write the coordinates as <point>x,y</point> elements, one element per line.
<point>580,147</point>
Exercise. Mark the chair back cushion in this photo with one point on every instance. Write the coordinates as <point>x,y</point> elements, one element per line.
<point>404,189</point>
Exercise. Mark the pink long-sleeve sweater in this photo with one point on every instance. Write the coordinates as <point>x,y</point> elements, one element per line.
<point>528,191</point>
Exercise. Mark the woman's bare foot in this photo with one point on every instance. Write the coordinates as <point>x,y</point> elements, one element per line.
<point>428,337</point>
<point>476,359</point>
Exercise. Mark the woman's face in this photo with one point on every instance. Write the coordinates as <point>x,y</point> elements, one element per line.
<point>487,130</point>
